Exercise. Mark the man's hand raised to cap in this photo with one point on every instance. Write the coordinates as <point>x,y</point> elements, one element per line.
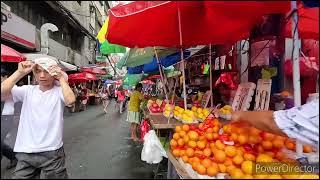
<point>25,67</point>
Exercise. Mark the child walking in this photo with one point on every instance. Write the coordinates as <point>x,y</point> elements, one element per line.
<point>134,115</point>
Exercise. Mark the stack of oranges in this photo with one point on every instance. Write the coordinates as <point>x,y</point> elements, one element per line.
<point>209,152</point>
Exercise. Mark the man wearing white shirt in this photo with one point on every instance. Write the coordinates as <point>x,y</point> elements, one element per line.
<point>39,145</point>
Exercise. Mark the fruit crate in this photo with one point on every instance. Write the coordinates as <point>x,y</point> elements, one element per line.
<point>152,113</point>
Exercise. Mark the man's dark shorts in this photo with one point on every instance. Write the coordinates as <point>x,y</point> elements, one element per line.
<point>44,165</point>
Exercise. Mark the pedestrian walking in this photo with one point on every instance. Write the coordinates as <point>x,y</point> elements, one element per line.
<point>134,115</point>
<point>39,146</point>
<point>7,114</point>
<point>103,93</point>
<point>120,98</point>
<point>84,96</point>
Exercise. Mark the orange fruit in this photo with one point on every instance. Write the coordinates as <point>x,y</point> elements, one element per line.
<point>216,129</point>
<point>193,135</point>
<point>249,157</point>
<point>215,136</point>
<point>219,156</point>
<point>246,167</point>
<point>267,145</point>
<point>182,133</point>
<point>196,159</point>
<point>212,145</point>
<point>201,138</point>
<point>278,143</point>
<point>247,176</point>
<point>212,171</point>
<point>206,163</point>
<point>209,136</point>
<point>230,168</point>
<point>173,143</point>
<point>209,130</point>
<point>186,139</point>
<point>195,165</point>
<point>185,158</point>
<point>190,152</point>
<point>260,148</point>
<point>176,153</point>
<point>176,136</point>
<point>254,131</point>
<point>234,137</point>
<point>201,144</point>
<point>186,127</point>
<point>222,168</point>
<point>200,125</point>
<point>268,136</point>
<point>219,145</point>
<point>270,153</point>
<point>240,151</point>
<point>264,158</point>
<point>227,129</point>
<point>198,152</point>
<point>178,129</point>
<point>237,160</point>
<point>201,169</point>
<point>192,144</point>
<point>230,151</point>
<point>280,155</point>
<point>307,149</point>
<point>180,141</point>
<point>207,152</point>
<point>236,173</point>
<point>182,152</point>
<point>242,139</point>
<point>228,161</point>
<point>290,145</point>
<point>274,176</point>
<point>254,139</point>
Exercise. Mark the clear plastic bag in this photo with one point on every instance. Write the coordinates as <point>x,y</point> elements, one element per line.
<point>153,150</point>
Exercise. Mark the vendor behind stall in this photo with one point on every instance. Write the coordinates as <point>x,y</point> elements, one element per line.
<point>222,94</point>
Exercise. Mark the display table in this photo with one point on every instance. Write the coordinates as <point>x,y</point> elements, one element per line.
<point>161,122</point>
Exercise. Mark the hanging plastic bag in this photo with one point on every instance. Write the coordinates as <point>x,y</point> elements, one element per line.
<point>152,151</point>
<point>144,128</point>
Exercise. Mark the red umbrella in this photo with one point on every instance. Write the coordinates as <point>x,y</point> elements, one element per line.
<point>10,55</point>
<point>82,77</point>
<point>308,25</point>
<point>94,70</point>
<point>186,23</point>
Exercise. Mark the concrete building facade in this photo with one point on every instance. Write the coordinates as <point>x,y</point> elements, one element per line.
<point>78,23</point>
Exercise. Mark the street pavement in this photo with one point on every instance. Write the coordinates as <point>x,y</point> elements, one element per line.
<point>97,145</point>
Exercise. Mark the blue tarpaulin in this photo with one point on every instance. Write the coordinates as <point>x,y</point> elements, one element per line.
<point>311,4</point>
<point>153,66</point>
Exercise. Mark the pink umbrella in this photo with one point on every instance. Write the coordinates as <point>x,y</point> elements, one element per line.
<point>10,55</point>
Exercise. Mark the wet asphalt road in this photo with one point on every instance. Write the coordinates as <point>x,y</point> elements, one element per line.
<point>97,145</point>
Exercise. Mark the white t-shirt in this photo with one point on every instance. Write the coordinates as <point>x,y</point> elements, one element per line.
<point>41,120</point>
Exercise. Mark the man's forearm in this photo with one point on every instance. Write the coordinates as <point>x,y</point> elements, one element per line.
<point>67,92</point>
<point>262,120</point>
<point>7,85</point>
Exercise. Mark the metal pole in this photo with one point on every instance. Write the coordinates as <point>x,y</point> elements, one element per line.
<point>296,68</point>
<point>182,59</point>
<point>211,88</point>
<point>161,75</point>
<point>29,80</point>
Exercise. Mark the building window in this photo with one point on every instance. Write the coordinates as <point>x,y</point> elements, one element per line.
<point>79,2</point>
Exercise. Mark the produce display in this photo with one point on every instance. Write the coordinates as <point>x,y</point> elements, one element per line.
<point>168,110</point>
<point>200,113</point>
<point>212,149</point>
<point>225,112</point>
<point>186,116</point>
<point>156,106</point>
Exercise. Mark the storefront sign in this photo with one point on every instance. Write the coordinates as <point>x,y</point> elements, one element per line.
<point>17,30</point>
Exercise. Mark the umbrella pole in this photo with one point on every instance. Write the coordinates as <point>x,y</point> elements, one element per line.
<point>210,59</point>
<point>161,75</point>
<point>296,68</point>
<point>182,59</point>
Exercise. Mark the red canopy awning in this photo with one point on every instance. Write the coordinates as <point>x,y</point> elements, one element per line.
<point>93,70</point>
<point>308,23</point>
<point>82,77</point>
<point>156,23</point>
<point>10,55</point>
